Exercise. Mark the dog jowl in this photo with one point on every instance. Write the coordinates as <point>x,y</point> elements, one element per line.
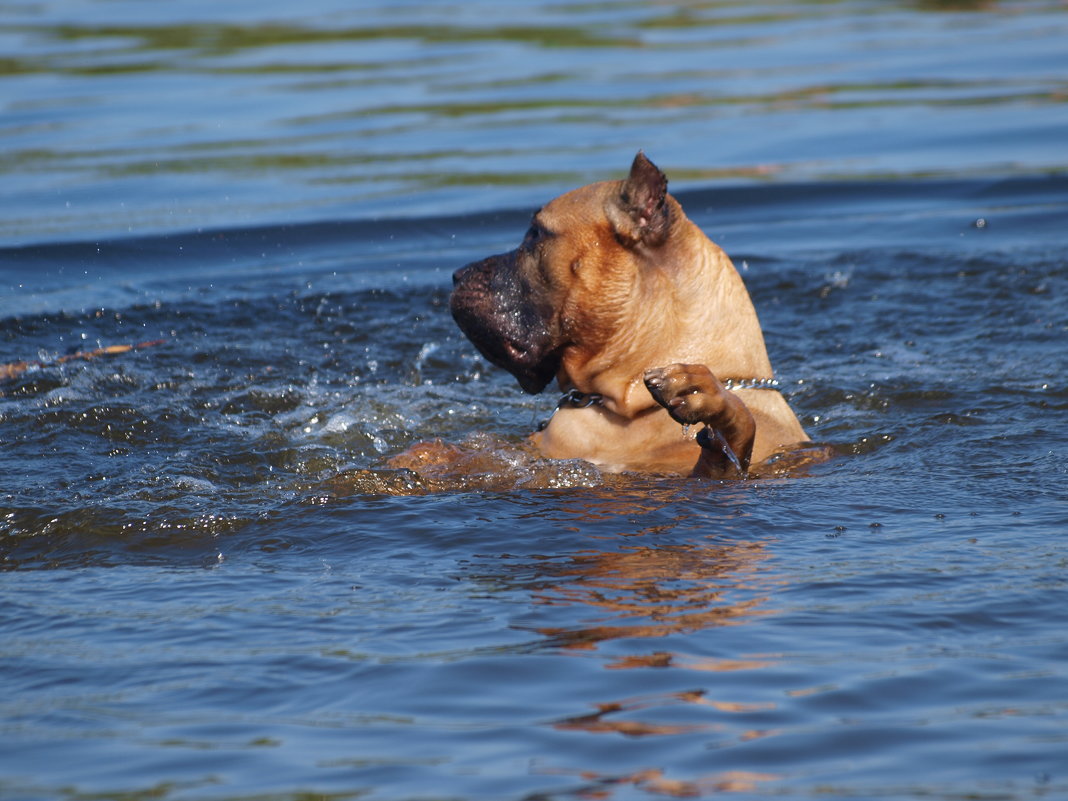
<point>508,319</point>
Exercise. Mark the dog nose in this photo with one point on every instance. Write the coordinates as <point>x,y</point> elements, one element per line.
<point>456,276</point>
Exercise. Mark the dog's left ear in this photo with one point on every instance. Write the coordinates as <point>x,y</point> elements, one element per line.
<point>638,213</point>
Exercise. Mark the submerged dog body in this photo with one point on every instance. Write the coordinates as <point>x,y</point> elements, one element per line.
<point>617,295</point>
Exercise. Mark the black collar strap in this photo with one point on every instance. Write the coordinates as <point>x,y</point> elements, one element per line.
<point>573,399</point>
<point>579,400</point>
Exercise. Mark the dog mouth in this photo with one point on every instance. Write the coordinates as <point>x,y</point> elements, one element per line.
<point>533,372</point>
<point>505,326</point>
<point>533,366</point>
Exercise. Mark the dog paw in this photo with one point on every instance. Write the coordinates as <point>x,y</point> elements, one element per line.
<point>690,392</point>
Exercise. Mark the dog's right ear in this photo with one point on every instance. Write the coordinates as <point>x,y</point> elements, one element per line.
<point>638,212</point>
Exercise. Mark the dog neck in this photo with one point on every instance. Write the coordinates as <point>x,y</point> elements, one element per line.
<point>574,399</point>
<point>687,290</point>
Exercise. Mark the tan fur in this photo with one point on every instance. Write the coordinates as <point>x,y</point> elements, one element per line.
<point>615,293</point>
<point>683,302</point>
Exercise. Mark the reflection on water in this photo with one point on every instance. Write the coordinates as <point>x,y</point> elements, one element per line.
<point>639,592</point>
<point>606,718</point>
<point>656,784</point>
<point>648,591</point>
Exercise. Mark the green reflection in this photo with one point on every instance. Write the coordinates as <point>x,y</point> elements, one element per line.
<point>221,38</point>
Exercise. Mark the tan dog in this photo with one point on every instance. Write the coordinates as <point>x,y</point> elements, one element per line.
<point>643,321</point>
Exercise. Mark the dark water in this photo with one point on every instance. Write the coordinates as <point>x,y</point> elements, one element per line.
<point>211,588</point>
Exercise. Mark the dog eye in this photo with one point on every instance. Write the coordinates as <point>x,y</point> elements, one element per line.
<point>536,235</point>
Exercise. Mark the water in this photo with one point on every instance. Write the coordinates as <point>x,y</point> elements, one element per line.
<point>215,588</point>
<point>126,117</point>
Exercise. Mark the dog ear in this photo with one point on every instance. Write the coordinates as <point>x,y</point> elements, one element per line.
<point>638,213</point>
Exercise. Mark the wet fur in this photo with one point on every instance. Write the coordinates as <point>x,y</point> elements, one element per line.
<point>614,291</point>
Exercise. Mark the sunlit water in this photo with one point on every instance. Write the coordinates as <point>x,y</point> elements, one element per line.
<point>214,586</point>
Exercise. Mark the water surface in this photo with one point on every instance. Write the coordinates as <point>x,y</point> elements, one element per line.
<point>213,587</point>
<point>125,117</point>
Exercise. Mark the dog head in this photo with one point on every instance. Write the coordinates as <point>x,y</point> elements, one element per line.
<point>557,297</point>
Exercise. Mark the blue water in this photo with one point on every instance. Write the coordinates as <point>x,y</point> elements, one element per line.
<point>214,587</point>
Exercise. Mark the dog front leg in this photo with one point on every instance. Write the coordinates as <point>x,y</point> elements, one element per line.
<point>692,394</point>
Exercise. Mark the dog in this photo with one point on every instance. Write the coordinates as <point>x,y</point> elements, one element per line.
<point>646,326</point>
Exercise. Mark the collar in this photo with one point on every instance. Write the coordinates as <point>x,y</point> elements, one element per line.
<point>750,383</point>
<point>574,399</point>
